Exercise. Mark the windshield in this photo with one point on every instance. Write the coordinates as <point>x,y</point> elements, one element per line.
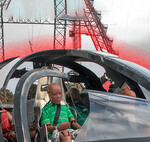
<point>146,92</point>
<point>115,117</point>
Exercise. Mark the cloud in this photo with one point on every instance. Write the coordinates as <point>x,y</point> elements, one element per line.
<point>129,20</point>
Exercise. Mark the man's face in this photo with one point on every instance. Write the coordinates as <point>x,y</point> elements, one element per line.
<point>55,93</point>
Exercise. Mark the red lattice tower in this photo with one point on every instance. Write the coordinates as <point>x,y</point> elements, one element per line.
<point>93,27</point>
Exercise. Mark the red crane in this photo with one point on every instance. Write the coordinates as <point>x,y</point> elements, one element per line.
<point>93,27</point>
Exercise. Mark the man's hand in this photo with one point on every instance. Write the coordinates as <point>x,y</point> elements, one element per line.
<point>12,137</point>
<point>65,136</point>
<point>128,93</point>
<point>74,124</point>
<point>63,126</point>
<point>32,126</point>
<point>49,127</point>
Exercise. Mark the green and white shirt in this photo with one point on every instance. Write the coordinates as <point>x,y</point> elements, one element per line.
<point>49,111</point>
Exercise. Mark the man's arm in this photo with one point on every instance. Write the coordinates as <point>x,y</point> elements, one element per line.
<point>72,120</point>
<point>9,116</point>
<point>74,123</point>
<point>62,126</point>
<point>50,128</point>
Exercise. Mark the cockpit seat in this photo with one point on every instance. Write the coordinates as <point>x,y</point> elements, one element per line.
<point>42,98</point>
<point>41,94</point>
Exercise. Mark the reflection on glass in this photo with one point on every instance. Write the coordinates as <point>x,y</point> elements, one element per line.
<point>44,87</point>
<point>115,117</point>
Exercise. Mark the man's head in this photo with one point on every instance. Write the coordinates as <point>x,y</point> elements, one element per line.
<point>128,93</point>
<point>55,93</point>
<point>73,93</point>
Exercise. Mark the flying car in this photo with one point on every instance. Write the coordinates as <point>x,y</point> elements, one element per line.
<point>113,117</point>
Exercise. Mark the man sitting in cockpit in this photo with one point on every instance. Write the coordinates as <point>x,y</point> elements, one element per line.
<point>73,98</point>
<point>8,129</point>
<point>56,116</point>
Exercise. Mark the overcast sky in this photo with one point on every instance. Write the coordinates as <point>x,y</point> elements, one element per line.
<point>128,20</point>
